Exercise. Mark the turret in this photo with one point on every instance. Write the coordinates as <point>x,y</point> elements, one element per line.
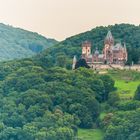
<point>86,48</point>
<point>125,52</point>
<point>125,47</point>
<point>74,62</point>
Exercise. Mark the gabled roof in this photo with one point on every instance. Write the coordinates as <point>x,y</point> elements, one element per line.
<point>117,47</point>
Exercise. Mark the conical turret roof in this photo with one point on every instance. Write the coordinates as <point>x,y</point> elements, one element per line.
<point>109,38</point>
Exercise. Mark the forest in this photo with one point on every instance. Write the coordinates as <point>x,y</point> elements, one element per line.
<point>41,103</point>
<point>16,43</point>
<point>41,98</point>
<point>53,103</point>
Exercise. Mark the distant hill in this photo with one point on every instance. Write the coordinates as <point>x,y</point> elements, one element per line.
<point>130,34</point>
<point>19,43</point>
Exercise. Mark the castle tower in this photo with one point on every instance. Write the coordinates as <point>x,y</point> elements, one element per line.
<point>86,49</point>
<point>107,51</point>
<point>109,40</point>
<point>74,62</point>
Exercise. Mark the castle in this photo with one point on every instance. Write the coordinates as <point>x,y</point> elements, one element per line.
<point>111,54</point>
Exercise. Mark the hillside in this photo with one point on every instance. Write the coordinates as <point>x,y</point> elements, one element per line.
<point>65,50</point>
<point>48,103</point>
<point>38,102</point>
<point>19,43</point>
<point>41,101</point>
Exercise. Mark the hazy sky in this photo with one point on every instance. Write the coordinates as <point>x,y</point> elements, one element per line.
<point>62,18</point>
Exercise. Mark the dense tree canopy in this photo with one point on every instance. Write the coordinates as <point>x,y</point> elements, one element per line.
<point>49,103</point>
<point>16,43</point>
<point>81,63</point>
<point>123,122</point>
<point>42,100</point>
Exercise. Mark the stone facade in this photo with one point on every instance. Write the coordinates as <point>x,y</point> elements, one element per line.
<point>111,54</point>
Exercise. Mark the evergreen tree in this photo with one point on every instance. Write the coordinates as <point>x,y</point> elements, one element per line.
<point>81,63</point>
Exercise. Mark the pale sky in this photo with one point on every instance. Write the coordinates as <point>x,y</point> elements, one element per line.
<point>60,19</point>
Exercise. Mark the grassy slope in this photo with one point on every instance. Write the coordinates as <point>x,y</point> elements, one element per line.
<point>126,83</point>
<point>90,134</point>
<point>126,89</point>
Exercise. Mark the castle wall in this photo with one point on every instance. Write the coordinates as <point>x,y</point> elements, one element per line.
<point>114,66</point>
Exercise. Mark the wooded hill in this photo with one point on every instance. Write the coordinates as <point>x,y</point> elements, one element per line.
<point>38,102</point>
<point>62,53</point>
<point>42,102</point>
<point>16,43</point>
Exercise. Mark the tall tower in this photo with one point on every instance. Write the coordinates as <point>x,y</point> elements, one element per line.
<point>74,62</point>
<point>125,55</point>
<point>86,49</point>
<point>109,43</point>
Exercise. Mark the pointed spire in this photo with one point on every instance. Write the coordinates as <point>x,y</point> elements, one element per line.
<point>109,39</point>
<point>109,34</point>
<point>125,52</point>
<point>124,46</point>
<point>74,62</point>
